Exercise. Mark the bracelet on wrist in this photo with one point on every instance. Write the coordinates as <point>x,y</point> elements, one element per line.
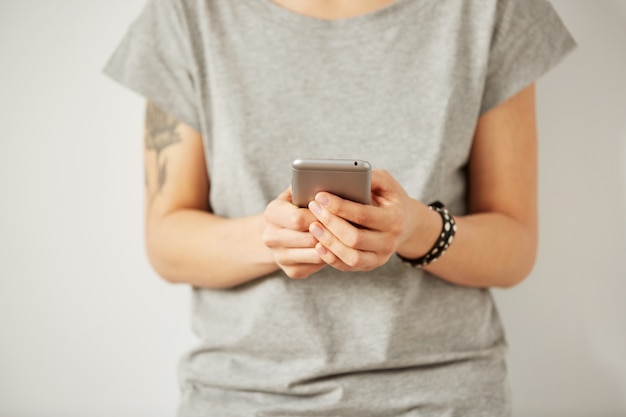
<point>448,230</point>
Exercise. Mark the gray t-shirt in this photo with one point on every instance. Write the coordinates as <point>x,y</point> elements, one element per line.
<point>401,87</point>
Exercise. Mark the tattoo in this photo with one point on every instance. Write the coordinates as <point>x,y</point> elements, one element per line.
<point>162,174</point>
<point>161,132</point>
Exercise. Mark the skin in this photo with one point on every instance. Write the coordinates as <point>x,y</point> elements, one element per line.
<point>185,242</point>
<point>495,245</point>
<point>333,9</point>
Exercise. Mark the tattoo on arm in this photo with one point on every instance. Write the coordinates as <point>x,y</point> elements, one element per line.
<point>161,132</point>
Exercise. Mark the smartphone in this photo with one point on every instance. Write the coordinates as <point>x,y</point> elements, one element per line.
<point>346,178</point>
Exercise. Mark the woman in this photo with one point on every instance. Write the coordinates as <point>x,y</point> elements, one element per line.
<point>337,309</point>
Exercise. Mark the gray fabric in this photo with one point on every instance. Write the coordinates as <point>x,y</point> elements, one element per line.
<point>401,87</point>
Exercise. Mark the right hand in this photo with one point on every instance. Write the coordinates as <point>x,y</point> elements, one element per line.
<point>287,235</point>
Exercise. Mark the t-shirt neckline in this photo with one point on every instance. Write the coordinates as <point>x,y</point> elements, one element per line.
<point>356,26</point>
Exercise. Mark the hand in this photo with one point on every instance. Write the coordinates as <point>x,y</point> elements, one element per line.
<point>287,235</point>
<point>357,237</point>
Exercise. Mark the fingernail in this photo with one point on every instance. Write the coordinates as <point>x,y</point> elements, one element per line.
<point>316,230</point>
<point>314,207</point>
<point>322,199</point>
<point>321,249</point>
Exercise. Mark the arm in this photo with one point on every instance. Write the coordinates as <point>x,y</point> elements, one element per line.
<point>496,242</point>
<point>184,241</point>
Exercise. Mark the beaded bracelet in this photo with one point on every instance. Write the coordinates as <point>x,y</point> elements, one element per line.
<point>448,230</point>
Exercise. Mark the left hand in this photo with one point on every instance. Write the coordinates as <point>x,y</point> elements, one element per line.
<point>357,237</point>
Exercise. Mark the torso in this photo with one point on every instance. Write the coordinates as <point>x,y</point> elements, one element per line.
<point>395,86</point>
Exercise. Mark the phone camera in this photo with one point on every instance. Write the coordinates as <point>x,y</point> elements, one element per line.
<point>356,163</point>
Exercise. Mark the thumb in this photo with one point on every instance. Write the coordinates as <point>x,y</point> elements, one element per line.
<point>382,182</point>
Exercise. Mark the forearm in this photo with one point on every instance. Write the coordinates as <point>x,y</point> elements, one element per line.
<point>489,250</point>
<point>198,248</point>
<point>496,244</point>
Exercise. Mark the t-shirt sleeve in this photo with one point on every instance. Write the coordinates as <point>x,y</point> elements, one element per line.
<point>154,59</point>
<point>528,39</point>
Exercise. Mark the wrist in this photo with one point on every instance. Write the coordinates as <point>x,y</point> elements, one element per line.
<point>424,233</point>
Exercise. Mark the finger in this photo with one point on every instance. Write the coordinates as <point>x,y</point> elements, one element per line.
<point>283,213</point>
<point>350,235</point>
<point>353,259</point>
<point>330,258</point>
<point>367,216</point>
<point>302,271</point>
<point>297,256</point>
<point>277,237</point>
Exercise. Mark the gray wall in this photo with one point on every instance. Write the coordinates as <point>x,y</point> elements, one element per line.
<point>87,329</point>
<point>567,322</point>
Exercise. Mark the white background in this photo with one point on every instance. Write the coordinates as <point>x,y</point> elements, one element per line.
<point>86,327</point>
